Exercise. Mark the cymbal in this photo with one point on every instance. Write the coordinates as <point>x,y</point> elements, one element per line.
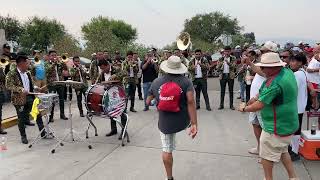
<point>35,93</point>
<point>67,82</point>
<point>110,82</point>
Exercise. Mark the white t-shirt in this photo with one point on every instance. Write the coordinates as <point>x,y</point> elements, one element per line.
<point>256,85</point>
<point>315,76</point>
<point>25,80</point>
<point>198,69</point>
<point>302,90</point>
<point>226,66</point>
<point>107,76</point>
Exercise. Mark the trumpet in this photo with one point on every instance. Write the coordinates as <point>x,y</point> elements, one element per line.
<point>37,60</point>
<point>4,61</point>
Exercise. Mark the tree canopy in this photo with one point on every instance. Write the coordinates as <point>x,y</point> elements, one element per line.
<point>12,27</point>
<point>104,33</point>
<point>209,27</point>
<point>40,33</point>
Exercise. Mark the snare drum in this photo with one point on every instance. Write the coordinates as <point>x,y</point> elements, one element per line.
<point>47,100</point>
<point>109,100</point>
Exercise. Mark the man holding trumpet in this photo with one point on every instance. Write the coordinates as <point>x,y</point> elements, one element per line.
<point>54,72</point>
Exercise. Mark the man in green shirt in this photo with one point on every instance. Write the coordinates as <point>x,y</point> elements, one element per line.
<point>277,101</point>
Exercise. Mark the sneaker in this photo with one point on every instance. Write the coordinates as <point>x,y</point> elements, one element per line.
<point>253,151</point>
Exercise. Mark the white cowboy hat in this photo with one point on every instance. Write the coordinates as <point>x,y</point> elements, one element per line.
<point>271,59</point>
<point>269,46</point>
<point>173,66</point>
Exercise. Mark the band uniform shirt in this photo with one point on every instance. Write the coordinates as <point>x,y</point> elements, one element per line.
<point>25,80</point>
<point>226,69</point>
<point>198,69</point>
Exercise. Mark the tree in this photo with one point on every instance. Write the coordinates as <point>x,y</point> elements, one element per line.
<point>67,44</point>
<point>241,39</point>
<point>250,37</point>
<point>40,33</point>
<point>102,33</point>
<point>123,31</point>
<point>209,27</point>
<point>12,27</point>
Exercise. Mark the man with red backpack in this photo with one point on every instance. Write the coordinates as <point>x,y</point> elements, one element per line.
<point>174,95</point>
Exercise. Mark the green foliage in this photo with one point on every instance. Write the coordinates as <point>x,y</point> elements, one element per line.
<point>40,33</point>
<point>102,33</point>
<point>12,27</point>
<point>67,44</point>
<point>209,27</point>
<point>125,32</point>
<point>241,39</point>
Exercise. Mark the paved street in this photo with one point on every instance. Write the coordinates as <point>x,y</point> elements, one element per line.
<point>219,152</point>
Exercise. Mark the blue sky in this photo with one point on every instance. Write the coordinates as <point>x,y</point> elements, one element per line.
<point>159,22</point>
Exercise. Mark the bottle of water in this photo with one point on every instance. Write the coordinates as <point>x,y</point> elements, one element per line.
<point>3,146</point>
<point>153,102</point>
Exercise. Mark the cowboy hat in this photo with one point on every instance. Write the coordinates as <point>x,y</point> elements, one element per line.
<point>269,46</point>
<point>271,59</point>
<point>173,66</point>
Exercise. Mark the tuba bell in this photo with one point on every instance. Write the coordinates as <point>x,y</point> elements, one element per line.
<point>184,41</point>
<point>64,57</point>
<point>37,60</point>
<point>4,61</point>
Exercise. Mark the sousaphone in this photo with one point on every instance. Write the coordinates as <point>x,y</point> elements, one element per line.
<point>184,41</point>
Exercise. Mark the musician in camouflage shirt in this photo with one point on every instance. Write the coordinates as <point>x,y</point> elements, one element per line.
<point>2,99</point>
<point>112,73</point>
<point>94,68</point>
<point>78,74</point>
<point>54,72</point>
<point>131,68</point>
<point>198,70</point>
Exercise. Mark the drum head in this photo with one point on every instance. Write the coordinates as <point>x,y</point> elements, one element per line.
<point>114,101</point>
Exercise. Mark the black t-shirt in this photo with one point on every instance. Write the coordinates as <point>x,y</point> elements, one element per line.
<point>150,73</point>
<point>173,122</point>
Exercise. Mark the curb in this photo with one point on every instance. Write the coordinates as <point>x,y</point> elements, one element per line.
<point>9,122</point>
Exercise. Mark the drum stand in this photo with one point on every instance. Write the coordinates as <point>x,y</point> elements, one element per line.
<point>48,129</point>
<point>124,132</point>
<point>72,133</point>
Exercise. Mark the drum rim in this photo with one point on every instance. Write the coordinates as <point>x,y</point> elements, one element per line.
<point>86,97</point>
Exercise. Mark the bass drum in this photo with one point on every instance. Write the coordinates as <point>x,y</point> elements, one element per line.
<point>106,100</point>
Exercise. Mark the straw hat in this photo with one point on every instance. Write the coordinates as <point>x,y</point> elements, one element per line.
<point>270,59</point>
<point>173,66</point>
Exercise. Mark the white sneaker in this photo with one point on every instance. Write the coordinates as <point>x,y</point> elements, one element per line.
<point>253,151</point>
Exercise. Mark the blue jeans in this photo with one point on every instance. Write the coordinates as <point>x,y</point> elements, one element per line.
<point>242,90</point>
<point>146,87</point>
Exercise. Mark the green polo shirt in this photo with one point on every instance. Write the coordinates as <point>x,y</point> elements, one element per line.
<point>280,113</point>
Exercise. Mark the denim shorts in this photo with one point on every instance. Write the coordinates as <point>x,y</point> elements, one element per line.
<point>168,142</point>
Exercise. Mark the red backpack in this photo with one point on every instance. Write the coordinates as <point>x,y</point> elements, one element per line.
<point>169,97</point>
